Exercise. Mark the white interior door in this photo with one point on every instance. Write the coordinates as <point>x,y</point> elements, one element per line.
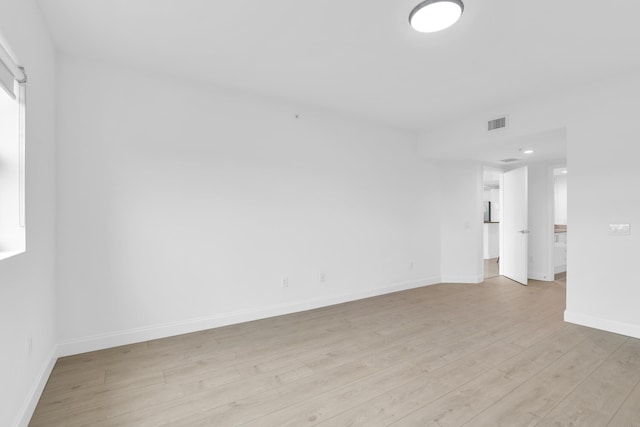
<point>515,226</point>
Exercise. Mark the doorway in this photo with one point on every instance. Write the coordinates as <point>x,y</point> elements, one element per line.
<point>491,178</point>
<point>539,153</point>
<point>560,221</point>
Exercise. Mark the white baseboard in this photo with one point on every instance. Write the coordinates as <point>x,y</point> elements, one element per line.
<point>136,335</point>
<point>614,326</point>
<point>463,279</point>
<point>540,276</point>
<point>29,405</point>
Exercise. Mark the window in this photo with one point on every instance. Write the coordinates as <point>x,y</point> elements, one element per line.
<point>12,156</point>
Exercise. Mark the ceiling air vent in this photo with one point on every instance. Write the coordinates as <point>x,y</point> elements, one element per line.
<point>509,160</point>
<point>496,124</point>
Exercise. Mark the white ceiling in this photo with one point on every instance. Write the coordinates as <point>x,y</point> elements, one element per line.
<point>548,147</point>
<point>491,177</point>
<point>360,57</point>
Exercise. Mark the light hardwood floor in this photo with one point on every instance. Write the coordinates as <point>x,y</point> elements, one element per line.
<point>480,355</point>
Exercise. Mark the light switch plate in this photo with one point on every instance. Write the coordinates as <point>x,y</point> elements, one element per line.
<point>619,229</point>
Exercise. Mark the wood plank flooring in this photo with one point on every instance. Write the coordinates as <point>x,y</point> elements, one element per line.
<point>446,355</point>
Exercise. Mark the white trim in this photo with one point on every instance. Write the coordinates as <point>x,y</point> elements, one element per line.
<point>29,404</point>
<point>463,279</point>
<point>614,326</point>
<point>551,193</point>
<point>130,336</point>
<point>541,277</point>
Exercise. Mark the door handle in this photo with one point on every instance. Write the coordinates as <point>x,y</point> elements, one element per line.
<point>523,231</point>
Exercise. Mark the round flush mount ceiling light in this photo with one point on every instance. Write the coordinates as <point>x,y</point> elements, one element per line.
<point>435,15</point>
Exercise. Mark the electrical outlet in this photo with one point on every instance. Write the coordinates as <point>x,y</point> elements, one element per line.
<point>323,277</point>
<point>411,265</point>
<point>285,282</point>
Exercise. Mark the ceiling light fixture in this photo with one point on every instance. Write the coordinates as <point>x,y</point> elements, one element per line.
<point>528,151</point>
<point>430,16</point>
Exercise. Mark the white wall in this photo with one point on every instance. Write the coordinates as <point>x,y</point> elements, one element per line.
<point>602,131</point>
<point>541,248</point>
<point>491,240</point>
<point>11,234</point>
<point>27,300</point>
<point>560,197</point>
<point>603,289</point>
<point>494,198</point>
<point>560,218</point>
<point>462,221</point>
<point>491,235</point>
<point>182,208</point>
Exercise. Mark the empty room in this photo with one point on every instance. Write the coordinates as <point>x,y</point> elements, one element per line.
<point>335,213</point>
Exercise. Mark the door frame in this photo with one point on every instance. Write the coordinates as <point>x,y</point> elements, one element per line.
<point>551,247</point>
<point>482,183</point>
<point>549,271</point>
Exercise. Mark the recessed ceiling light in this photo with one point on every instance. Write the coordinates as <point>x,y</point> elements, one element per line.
<point>528,151</point>
<point>564,172</point>
<point>435,15</point>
